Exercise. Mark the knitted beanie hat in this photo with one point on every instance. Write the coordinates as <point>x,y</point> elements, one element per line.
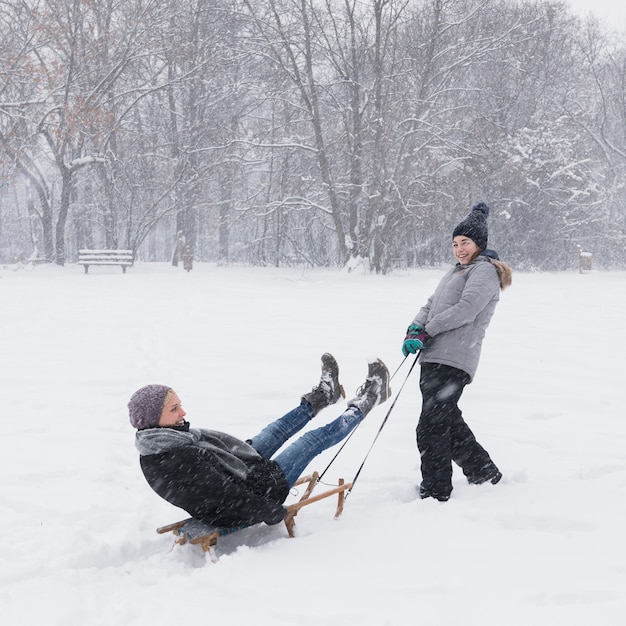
<point>474,226</point>
<point>146,405</point>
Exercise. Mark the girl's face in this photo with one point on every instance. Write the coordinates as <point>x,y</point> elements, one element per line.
<point>464,249</point>
<point>173,413</point>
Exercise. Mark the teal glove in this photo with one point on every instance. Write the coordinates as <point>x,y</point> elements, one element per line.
<point>416,339</point>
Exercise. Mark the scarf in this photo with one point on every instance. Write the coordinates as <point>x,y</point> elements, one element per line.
<point>231,453</point>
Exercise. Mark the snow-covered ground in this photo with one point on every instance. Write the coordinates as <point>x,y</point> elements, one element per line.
<point>240,345</point>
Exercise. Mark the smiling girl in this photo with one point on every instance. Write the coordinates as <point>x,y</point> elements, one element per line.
<point>448,332</point>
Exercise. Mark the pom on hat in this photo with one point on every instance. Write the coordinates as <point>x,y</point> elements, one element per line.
<point>146,405</point>
<point>474,226</point>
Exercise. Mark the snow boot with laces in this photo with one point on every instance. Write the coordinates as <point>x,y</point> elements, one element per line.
<point>375,390</point>
<point>329,390</point>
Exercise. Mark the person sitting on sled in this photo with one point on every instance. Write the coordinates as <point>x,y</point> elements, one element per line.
<point>226,482</point>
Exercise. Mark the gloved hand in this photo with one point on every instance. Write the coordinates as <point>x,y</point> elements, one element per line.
<point>416,339</point>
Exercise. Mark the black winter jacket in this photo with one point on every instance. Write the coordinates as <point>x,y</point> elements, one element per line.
<point>213,476</point>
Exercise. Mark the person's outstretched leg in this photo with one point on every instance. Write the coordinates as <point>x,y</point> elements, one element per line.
<point>327,392</point>
<point>296,457</point>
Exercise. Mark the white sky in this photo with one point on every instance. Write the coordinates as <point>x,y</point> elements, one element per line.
<point>613,11</point>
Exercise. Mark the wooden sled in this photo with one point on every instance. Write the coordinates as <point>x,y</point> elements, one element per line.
<point>197,532</point>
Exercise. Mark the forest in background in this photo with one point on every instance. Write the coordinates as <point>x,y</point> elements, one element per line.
<point>310,132</point>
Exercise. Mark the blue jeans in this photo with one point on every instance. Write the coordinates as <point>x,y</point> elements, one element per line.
<point>294,459</point>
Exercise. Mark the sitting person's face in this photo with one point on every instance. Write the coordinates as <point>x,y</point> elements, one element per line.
<point>173,413</point>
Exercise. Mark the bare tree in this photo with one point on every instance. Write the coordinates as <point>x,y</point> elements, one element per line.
<point>287,35</point>
<point>310,131</point>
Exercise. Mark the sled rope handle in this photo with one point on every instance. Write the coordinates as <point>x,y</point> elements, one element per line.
<point>393,404</point>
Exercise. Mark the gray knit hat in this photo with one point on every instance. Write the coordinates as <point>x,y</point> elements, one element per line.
<point>146,405</point>
<point>474,226</point>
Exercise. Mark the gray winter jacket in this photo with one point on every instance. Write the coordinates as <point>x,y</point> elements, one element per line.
<point>456,316</point>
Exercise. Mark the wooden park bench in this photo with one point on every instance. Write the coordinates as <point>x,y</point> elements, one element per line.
<point>197,532</point>
<point>123,258</point>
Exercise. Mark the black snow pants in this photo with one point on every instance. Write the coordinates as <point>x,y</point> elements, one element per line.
<point>442,434</point>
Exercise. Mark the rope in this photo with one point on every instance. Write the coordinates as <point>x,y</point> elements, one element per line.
<point>356,476</point>
<point>379,430</point>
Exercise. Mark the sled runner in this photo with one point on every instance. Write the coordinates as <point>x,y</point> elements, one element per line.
<point>198,532</point>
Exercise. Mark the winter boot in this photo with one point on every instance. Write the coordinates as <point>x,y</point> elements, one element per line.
<point>424,493</point>
<point>490,474</point>
<point>375,390</point>
<point>329,390</point>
